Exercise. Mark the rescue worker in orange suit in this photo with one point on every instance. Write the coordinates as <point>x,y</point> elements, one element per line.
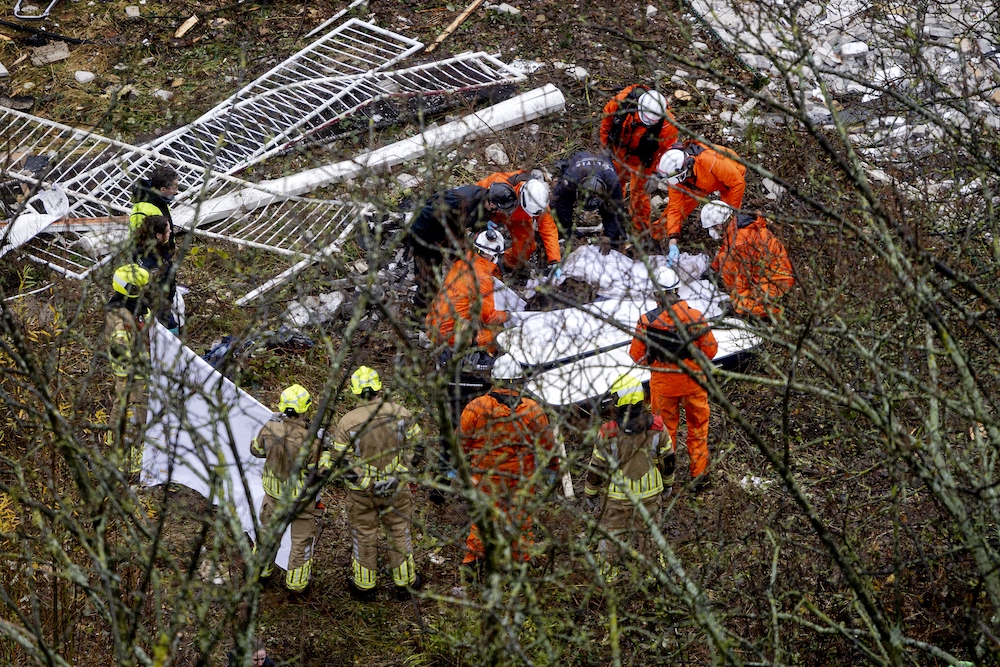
<point>504,433</point>
<point>463,311</point>
<point>437,233</point>
<point>374,442</point>
<point>663,340</point>
<point>524,210</point>
<point>637,127</point>
<point>752,263</point>
<point>696,170</point>
<point>634,460</point>
<point>293,462</point>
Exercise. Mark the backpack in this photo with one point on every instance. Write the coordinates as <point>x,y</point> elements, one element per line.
<point>667,345</point>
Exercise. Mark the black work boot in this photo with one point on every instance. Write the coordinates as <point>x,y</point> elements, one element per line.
<point>403,592</point>
<point>361,594</point>
<point>701,483</point>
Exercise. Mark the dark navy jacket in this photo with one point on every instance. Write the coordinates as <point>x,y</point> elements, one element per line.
<point>564,196</point>
<point>457,210</point>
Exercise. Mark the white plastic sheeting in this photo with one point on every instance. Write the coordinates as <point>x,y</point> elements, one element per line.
<point>199,429</point>
<point>615,275</point>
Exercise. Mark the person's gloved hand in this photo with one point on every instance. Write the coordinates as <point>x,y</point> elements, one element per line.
<point>386,487</point>
<point>491,226</point>
<point>673,255</point>
<point>550,477</point>
<point>556,275</point>
<point>591,503</point>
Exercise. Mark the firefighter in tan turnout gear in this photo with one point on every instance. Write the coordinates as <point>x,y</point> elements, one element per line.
<point>128,353</point>
<point>293,462</point>
<point>633,459</point>
<point>374,441</point>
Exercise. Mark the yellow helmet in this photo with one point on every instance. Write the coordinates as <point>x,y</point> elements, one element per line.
<point>365,378</point>
<point>627,390</point>
<point>130,279</point>
<point>297,398</point>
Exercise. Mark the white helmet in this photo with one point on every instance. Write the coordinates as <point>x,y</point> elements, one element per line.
<point>490,245</point>
<point>673,166</point>
<point>534,196</point>
<point>506,368</point>
<point>652,107</point>
<point>715,213</point>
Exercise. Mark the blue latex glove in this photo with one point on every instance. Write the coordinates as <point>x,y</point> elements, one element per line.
<point>491,226</point>
<point>673,255</point>
<point>557,274</point>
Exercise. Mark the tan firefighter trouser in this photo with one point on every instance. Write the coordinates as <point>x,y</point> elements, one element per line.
<point>126,447</point>
<point>365,513</point>
<point>621,519</point>
<point>303,542</point>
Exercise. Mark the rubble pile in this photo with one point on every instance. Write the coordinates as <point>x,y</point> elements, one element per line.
<point>941,58</point>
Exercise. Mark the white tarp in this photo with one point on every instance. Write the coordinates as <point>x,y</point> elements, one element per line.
<point>199,421</point>
<point>547,337</point>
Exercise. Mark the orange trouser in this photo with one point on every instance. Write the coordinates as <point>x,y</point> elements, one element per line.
<point>513,524</point>
<point>639,207</point>
<point>696,411</point>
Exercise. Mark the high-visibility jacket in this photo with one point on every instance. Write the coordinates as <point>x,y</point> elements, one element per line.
<point>503,432</point>
<point>127,349</point>
<point>629,458</point>
<point>375,441</point>
<point>521,225</point>
<point>287,437</point>
<point>634,145</point>
<point>665,320</point>
<point>713,171</point>
<point>148,201</point>
<point>465,299</point>
<point>753,265</point>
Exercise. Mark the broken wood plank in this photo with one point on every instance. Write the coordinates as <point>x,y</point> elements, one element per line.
<point>187,25</point>
<point>454,24</point>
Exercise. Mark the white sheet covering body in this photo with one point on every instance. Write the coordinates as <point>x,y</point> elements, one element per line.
<point>547,337</point>
<point>198,419</point>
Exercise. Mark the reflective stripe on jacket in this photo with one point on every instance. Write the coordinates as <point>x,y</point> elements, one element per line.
<point>375,442</point>
<point>283,438</point>
<point>127,352</point>
<point>629,460</point>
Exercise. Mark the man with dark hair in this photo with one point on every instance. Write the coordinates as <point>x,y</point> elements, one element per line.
<point>152,196</point>
<point>441,225</point>
<point>258,656</point>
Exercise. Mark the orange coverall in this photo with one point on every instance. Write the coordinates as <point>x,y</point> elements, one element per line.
<point>670,387</point>
<point>467,293</point>
<point>502,432</point>
<point>754,266</point>
<point>522,226</point>
<point>635,154</point>
<point>713,171</point>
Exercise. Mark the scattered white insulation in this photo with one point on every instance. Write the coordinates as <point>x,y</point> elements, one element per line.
<point>198,433</point>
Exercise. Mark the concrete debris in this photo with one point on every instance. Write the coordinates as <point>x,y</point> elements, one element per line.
<point>315,309</point>
<point>705,84</point>
<point>774,191</point>
<point>132,11</point>
<point>503,8</point>
<point>651,11</point>
<point>359,266</point>
<point>526,66</point>
<point>83,76</point>
<point>496,155</point>
<point>700,46</point>
<point>49,53</point>
<point>577,72</point>
<point>855,47</point>
<point>164,95</point>
<point>728,100</point>
<point>3,71</point>
<point>407,181</point>
<point>682,95</point>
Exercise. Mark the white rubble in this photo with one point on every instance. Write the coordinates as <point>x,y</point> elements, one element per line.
<point>83,76</point>
<point>651,11</point>
<point>164,95</point>
<point>496,155</point>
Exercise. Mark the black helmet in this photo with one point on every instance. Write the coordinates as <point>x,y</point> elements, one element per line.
<point>502,195</point>
<point>593,191</point>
